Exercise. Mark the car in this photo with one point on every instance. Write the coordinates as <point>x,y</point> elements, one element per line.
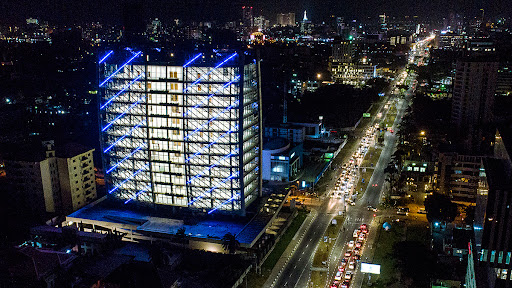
<point>357,251</point>
<point>361,237</point>
<point>422,211</point>
<point>371,208</point>
<point>363,226</point>
<point>345,260</point>
<point>351,243</point>
<point>348,253</point>
<point>356,233</point>
<point>352,203</point>
<point>402,211</point>
<point>352,265</point>
<point>338,276</point>
<point>341,268</point>
<point>356,257</point>
<point>359,244</point>
<point>348,276</point>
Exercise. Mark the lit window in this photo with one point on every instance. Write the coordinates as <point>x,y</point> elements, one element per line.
<point>483,257</point>
<point>507,261</point>
<point>500,257</point>
<point>504,273</point>
<point>493,256</point>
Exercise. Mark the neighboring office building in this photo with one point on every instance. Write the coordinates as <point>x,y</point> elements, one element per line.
<point>294,133</point>
<point>281,160</point>
<point>77,179</point>
<point>496,246</point>
<point>181,130</point>
<point>473,98</point>
<point>494,242</point>
<point>449,40</point>
<point>459,175</point>
<point>286,19</point>
<point>504,80</point>
<point>49,181</point>
<point>33,177</point>
<point>354,74</point>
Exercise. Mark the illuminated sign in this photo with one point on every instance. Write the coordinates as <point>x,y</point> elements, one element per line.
<point>366,115</point>
<point>370,268</point>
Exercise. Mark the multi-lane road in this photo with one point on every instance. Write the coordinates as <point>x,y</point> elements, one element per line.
<point>295,269</point>
<point>296,272</point>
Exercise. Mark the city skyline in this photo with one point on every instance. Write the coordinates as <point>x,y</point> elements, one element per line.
<point>110,12</point>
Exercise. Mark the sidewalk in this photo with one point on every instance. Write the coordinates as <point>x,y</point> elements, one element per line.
<point>281,263</point>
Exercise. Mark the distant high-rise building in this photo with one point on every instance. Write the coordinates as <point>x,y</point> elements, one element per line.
<point>383,23</point>
<point>305,25</point>
<point>473,98</point>
<point>341,27</point>
<point>261,23</point>
<point>343,51</point>
<point>344,69</point>
<point>247,16</point>
<point>286,19</point>
<point>181,132</point>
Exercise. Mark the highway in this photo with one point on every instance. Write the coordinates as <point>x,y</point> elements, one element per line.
<point>296,269</point>
<point>296,272</point>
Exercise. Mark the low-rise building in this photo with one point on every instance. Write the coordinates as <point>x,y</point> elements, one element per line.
<point>281,160</point>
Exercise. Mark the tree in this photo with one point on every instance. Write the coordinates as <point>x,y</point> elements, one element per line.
<point>181,233</point>
<point>440,208</point>
<point>230,244</point>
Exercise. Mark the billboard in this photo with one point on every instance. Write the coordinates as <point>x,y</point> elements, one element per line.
<point>370,268</point>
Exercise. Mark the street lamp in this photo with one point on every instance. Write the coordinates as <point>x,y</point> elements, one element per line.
<point>318,76</point>
<point>422,133</point>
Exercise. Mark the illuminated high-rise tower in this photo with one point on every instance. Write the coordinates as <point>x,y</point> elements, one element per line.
<point>181,131</point>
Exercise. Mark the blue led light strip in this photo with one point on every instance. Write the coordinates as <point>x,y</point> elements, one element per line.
<point>211,95</point>
<point>124,136</point>
<point>120,68</point>
<point>129,155</point>
<point>105,57</point>
<point>209,72</point>
<point>212,119</point>
<point>122,114</point>
<point>223,203</point>
<point>192,60</point>
<point>137,194</point>
<point>213,142</point>
<point>217,186</point>
<point>213,165</point>
<point>120,92</point>
<point>127,179</point>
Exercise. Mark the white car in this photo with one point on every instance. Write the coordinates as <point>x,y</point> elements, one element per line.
<point>351,244</point>
<point>348,276</point>
<point>338,276</point>
<point>352,265</point>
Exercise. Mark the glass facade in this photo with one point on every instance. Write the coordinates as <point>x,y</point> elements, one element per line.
<point>185,135</point>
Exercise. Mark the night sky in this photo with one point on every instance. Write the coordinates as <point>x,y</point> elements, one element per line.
<point>109,11</point>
